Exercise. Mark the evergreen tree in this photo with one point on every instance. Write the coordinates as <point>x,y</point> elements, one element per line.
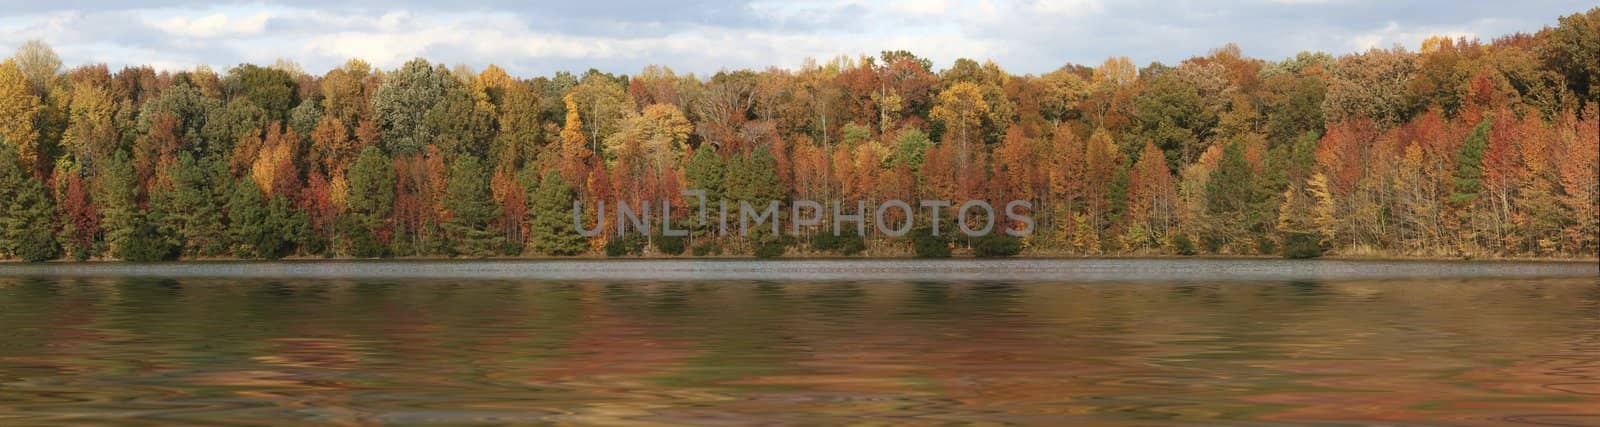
<point>754,178</point>
<point>550,218</point>
<point>705,172</point>
<point>190,209</point>
<point>1229,193</point>
<point>290,227</point>
<point>259,229</point>
<point>473,211</point>
<point>115,190</point>
<point>145,243</point>
<point>1468,179</point>
<point>27,219</point>
<point>370,200</point>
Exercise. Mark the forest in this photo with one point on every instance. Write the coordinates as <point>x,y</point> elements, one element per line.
<point>1461,148</point>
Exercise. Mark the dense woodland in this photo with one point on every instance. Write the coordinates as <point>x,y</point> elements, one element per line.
<point>1462,148</point>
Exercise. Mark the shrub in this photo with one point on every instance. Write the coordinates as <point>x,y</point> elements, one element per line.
<point>1183,245</point>
<point>768,246</point>
<point>847,244</point>
<point>852,245</point>
<point>1266,246</point>
<point>1301,245</point>
<point>707,249</point>
<point>146,245</point>
<point>670,245</point>
<point>630,244</point>
<point>994,245</point>
<point>927,245</point>
<point>1213,244</point>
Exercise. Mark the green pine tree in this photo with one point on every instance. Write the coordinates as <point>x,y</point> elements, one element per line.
<point>705,172</point>
<point>290,228</point>
<point>1468,179</point>
<point>190,210</point>
<point>370,201</point>
<point>115,190</point>
<point>258,229</point>
<point>27,220</point>
<point>470,226</point>
<point>1229,195</point>
<point>550,218</point>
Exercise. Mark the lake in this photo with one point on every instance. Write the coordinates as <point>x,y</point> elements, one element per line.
<point>1120,342</point>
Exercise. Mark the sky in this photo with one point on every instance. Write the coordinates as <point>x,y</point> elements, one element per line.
<point>703,36</point>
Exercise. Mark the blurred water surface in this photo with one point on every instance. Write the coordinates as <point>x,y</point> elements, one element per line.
<point>1132,342</point>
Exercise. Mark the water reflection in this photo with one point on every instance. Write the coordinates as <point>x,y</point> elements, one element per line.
<point>199,351</point>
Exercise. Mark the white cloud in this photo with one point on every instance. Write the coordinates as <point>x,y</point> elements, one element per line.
<point>214,25</point>
<point>1392,34</point>
<point>1070,8</point>
<point>702,36</point>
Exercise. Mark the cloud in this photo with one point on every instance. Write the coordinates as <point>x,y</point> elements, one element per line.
<point>703,36</point>
<point>1392,34</point>
<point>213,25</point>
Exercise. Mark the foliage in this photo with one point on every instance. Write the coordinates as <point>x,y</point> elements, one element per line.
<point>669,245</point>
<point>996,245</point>
<point>926,245</point>
<point>472,210</point>
<point>768,245</point>
<point>847,243</point>
<point>369,200</point>
<point>27,219</point>
<point>550,218</point>
<point>631,244</point>
<point>1298,245</point>
<point>1461,146</point>
<point>1183,245</point>
<point>707,249</point>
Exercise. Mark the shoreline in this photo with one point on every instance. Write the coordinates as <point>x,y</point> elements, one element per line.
<point>1370,258</point>
<point>964,270</point>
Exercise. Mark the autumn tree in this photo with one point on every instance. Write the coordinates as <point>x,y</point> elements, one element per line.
<point>1371,85</point>
<point>1151,199</point>
<point>271,89</point>
<point>346,92</point>
<point>1570,49</point>
<point>1579,172</point>
<point>961,108</point>
<point>90,135</point>
<point>80,235</point>
<point>19,112</point>
<point>1172,114</point>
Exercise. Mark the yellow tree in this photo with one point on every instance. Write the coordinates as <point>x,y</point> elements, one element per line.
<point>346,92</point>
<point>961,108</point>
<point>19,109</point>
<point>1151,197</point>
<point>91,135</point>
<point>495,77</point>
<point>666,132</point>
<point>1323,208</point>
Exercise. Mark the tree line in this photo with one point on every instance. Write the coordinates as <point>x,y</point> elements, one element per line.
<point>1462,148</point>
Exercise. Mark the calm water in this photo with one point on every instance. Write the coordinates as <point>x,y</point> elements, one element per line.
<point>1170,342</point>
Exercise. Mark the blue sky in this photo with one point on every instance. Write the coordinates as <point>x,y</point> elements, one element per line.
<point>703,36</point>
